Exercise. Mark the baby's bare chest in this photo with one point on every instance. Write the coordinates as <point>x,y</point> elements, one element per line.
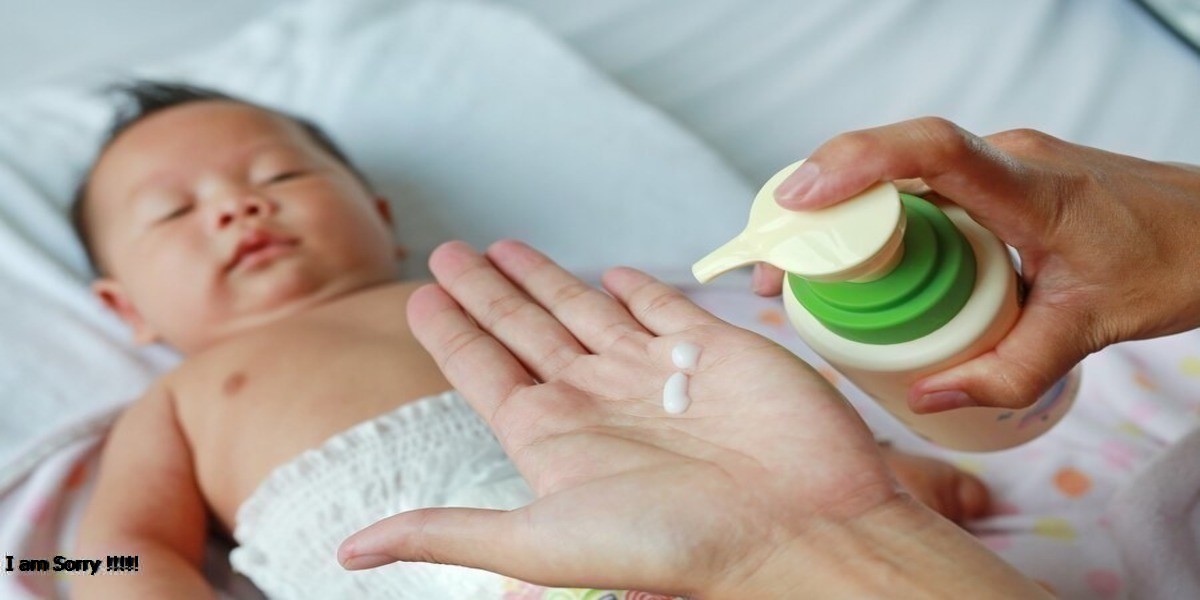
<point>259,401</point>
<point>306,374</point>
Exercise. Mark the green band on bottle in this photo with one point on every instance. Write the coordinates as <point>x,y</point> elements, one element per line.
<point>930,285</point>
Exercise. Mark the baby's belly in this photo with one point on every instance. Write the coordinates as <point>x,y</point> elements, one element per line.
<point>238,442</point>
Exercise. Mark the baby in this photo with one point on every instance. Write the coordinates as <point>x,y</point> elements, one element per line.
<point>305,409</point>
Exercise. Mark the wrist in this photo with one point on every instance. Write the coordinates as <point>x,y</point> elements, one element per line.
<point>901,549</point>
<point>1185,224</point>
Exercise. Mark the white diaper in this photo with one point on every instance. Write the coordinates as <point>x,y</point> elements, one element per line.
<point>432,452</point>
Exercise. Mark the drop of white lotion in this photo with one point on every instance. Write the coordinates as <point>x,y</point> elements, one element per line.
<point>685,355</point>
<point>675,398</point>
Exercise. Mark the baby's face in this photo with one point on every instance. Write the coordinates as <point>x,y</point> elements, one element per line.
<point>212,217</point>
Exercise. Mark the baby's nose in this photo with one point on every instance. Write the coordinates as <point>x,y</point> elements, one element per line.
<point>245,207</point>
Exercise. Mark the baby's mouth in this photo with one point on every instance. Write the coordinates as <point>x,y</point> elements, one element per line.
<point>258,247</point>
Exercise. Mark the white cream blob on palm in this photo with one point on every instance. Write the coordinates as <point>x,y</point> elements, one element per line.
<point>685,355</point>
<point>675,396</point>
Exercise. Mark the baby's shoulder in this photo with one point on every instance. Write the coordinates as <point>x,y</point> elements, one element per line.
<point>170,385</point>
<point>154,407</point>
<point>163,388</point>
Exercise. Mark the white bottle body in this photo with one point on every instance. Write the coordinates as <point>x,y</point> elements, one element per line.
<point>886,371</point>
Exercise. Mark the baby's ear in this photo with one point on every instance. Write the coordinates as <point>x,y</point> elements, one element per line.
<point>384,208</point>
<point>113,295</point>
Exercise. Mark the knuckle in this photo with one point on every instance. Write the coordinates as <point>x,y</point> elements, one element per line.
<point>1023,384</point>
<point>1064,205</point>
<point>661,300</point>
<point>1024,142</point>
<point>424,548</point>
<point>570,292</point>
<point>454,345</point>
<point>501,308</point>
<point>854,144</point>
<point>947,139</point>
<point>617,335</point>
<point>938,128</point>
<point>555,360</point>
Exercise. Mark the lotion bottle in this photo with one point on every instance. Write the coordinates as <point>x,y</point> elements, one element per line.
<point>889,288</point>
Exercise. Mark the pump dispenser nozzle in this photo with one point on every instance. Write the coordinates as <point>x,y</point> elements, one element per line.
<point>859,239</point>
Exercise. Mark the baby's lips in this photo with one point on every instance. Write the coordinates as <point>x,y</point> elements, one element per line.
<point>253,241</point>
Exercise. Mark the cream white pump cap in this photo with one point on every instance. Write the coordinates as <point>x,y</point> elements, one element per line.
<point>859,239</point>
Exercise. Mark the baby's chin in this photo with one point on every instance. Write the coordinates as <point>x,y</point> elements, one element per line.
<point>279,297</point>
<point>275,292</point>
<point>282,297</point>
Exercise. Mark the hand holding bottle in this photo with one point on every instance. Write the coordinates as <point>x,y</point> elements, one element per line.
<point>1108,243</point>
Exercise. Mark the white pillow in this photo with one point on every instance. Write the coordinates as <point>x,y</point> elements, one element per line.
<point>767,81</point>
<point>472,120</point>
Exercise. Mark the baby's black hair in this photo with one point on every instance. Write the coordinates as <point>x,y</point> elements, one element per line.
<point>140,99</point>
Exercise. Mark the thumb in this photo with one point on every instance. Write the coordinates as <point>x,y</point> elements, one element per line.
<point>509,543</point>
<point>456,536</point>
<point>1042,347</point>
<point>1001,190</point>
<point>767,280</point>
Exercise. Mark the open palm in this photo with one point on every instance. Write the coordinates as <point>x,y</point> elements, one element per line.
<point>571,381</point>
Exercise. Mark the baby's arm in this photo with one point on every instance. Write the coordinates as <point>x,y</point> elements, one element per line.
<point>146,503</point>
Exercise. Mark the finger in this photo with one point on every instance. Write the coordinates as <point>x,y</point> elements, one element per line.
<point>1002,193</point>
<point>505,542</point>
<point>915,186</point>
<point>767,280</point>
<point>456,536</point>
<point>462,351</point>
<point>932,149</point>
<point>659,307</point>
<point>593,317</point>
<point>1041,348</point>
<point>537,339</point>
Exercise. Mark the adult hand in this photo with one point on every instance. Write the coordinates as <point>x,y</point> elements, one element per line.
<point>767,486</point>
<point>1109,244</point>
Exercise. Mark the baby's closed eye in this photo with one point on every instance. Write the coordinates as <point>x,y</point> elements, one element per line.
<point>286,175</point>
<point>177,212</point>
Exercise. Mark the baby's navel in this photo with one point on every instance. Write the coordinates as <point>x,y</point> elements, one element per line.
<point>234,383</point>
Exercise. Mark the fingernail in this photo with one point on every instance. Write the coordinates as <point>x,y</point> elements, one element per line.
<point>366,561</point>
<point>972,497</point>
<point>792,191</point>
<point>757,279</point>
<point>946,400</point>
